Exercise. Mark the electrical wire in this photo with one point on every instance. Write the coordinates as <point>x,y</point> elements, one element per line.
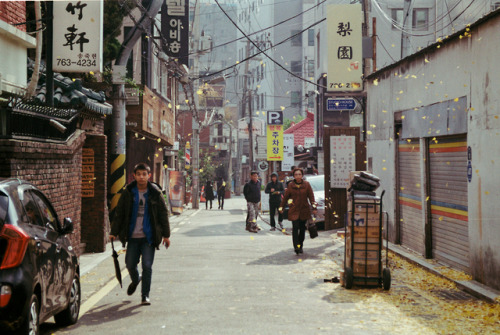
<point>398,26</point>
<point>261,30</point>
<point>262,51</point>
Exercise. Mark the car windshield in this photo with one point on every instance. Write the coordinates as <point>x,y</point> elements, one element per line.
<point>317,183</point>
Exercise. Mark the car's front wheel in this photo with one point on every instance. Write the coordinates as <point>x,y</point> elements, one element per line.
<point>31,323</point>
<point>70,315</point>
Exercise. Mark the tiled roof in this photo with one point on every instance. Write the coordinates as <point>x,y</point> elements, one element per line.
<point>70,94</point>
<point>303,129</point>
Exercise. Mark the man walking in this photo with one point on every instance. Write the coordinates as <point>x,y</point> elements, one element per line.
<point>221,192</point>
<point>251,191</point>
<point>141,220</point>
<point>275,190</point>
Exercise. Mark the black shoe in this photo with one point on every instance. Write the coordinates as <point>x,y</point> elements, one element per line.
<point>132,287</point>
<point>297,251</point>
<point>145,301</point>
<point>301,251</point>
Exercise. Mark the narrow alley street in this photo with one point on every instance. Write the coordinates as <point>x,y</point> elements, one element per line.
<point>216,278</point>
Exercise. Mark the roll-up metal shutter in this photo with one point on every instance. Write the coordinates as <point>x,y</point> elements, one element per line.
<point>410,196</point>
<point>449,212</point>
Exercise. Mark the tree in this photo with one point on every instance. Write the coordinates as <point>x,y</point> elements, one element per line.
<point>207,166</point>
<point>296,119</point>
<point>114,12</point>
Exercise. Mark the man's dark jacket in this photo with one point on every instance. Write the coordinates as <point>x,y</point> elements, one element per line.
<point>275,198</point>
<point>157,209</point>
<point>251,191</point>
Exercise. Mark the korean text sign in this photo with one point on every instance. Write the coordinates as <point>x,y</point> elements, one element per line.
<point>77,40</point>
<point>274,142</point>
<point>343,160</point>
<point>345,52</point>
<point>175,29</point>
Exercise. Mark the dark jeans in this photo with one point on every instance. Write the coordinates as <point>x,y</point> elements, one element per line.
<point>136,248</point>
<point>220,198</point>
<point>298,233</point>
<point>206,204</point>
<point>273,208</point>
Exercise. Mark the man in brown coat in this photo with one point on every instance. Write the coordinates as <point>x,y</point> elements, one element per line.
<point>298,196</point>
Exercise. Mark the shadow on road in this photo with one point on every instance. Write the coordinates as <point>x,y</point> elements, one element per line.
<point>99,315</point>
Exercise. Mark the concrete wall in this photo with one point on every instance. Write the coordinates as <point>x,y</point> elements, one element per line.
<point>462,66</point>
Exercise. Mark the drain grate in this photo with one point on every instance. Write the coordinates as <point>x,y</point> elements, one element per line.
<point>452,295</point>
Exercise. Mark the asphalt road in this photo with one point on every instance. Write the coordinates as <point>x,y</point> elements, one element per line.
<point>217,278</point>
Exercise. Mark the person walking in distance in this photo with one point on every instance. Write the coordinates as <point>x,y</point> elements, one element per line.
<point>221,192</point>
<point>275,190</point>
<point>141,220</point>
<point>298,195</point>
<point>209,194</point>
<point>251,191</point>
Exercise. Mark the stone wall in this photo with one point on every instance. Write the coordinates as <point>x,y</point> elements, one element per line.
<point>55,168</point>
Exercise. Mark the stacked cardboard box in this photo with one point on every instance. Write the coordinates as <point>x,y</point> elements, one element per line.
<point>363,238</point>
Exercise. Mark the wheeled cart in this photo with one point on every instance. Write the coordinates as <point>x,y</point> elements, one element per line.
<point>363,243</point>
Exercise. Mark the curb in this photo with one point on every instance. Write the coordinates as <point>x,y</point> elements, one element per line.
<point>472,287</point>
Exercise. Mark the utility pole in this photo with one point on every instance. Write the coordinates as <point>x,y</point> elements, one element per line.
<point>250,128</point>
<point>195,145</point>
<point>117,143</point>
<point>404,35</point>
<point>245,97</point>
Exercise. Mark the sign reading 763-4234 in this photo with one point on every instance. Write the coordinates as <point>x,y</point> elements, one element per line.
<point>77,40</point>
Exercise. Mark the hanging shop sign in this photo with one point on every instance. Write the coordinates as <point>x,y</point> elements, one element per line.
<point>275,142</point>
<point>288,151</point>
<point>77,41</point>
<point>175,29</point>
<point>345,51</point>
<point>275,130</point>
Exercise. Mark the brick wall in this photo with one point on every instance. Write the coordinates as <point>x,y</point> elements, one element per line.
<point>13,12</point>
<point>54,168</point>
<point>95,220</point>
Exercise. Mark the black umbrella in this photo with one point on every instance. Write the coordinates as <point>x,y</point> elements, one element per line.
<point>117,265</point>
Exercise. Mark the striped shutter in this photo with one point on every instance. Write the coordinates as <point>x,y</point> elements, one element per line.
<point>449,215</point>
<point>410,197</point>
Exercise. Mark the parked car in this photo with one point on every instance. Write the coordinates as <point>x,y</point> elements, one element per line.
<point>318,186</point>
<point>39,270</point>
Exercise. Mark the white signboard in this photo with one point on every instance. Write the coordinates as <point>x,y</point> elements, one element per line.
<point>261,152</point>
<point>77,40</point>
<point>288,159</point>
<point>345,51</point>
<point>258,127</point>
<point>342,160</point>
<point>309,142</point>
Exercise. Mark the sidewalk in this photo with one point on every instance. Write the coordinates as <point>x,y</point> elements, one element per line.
<point>89,263</point>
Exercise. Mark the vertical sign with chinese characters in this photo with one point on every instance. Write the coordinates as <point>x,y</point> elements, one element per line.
<point>288,159</point>
<point>88,178</point>
<point>345,52</point>
<point>175,29</point>
<point>77,40</point>
<point>343,160</point>
<point>274,142</point>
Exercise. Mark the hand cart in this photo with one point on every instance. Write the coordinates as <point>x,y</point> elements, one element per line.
<point>363,243</point>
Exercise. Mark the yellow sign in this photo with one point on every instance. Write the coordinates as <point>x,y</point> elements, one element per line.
<point>274,142</point>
